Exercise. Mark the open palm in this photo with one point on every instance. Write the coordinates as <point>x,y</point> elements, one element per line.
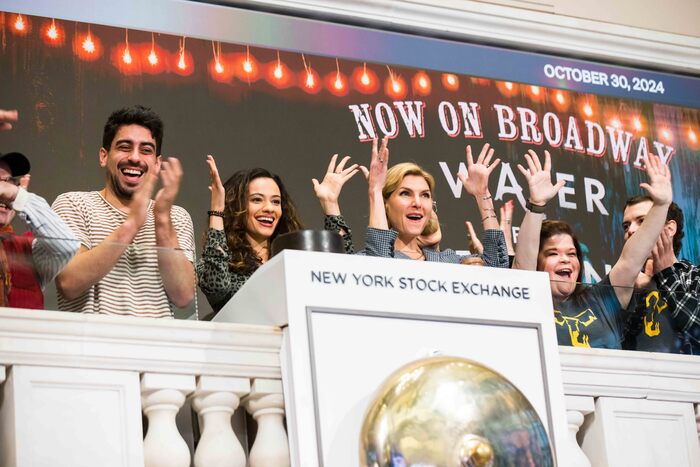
<point>539,179</point>
<point>476,182</point>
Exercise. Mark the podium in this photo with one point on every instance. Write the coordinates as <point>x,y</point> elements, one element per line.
<point>350,321</point>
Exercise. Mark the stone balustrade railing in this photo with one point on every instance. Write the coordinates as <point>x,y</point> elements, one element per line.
<point>79,389</point>
<point>75,387</point>
<point>632,408</point>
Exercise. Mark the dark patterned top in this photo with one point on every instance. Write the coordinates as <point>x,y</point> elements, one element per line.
<point>680,285</point>
<point>649,326</point>
<point>380,242</point>
<point>338,224</point>
<point>220,282</point>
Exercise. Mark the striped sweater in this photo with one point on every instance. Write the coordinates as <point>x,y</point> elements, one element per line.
<point>134,286</point>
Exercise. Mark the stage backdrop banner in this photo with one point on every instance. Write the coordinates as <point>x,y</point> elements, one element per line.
<point>258,89</point>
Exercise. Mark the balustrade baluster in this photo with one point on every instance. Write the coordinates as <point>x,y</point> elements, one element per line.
<point>162,395</point>
<point>215,400</point>
<point>577,408</point>
<point>266,405</point>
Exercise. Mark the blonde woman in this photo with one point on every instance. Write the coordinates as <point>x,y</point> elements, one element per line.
<point>401,204</point>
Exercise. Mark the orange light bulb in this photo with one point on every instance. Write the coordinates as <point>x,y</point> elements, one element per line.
<point>310,82</point>
<point>20,25</point>
<point>637,123</point>
<point>52,32</point>
<point>153,58</point>
<point>88,44</point>
<point>126,56</point>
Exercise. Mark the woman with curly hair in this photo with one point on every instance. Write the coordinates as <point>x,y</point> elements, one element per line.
<point>247,213</point>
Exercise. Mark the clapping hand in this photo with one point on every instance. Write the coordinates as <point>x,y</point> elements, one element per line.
<point>170,176</point>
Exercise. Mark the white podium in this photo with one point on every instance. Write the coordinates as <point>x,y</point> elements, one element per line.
<point>350,321</point>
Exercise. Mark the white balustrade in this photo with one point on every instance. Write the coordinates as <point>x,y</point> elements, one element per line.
<point>74,387</point>
<point>215,400</point>
<point>577,407</point>
<point>644,405</point>
<point>161,399</point>
<point>78,377</point>
<point>266,405</point>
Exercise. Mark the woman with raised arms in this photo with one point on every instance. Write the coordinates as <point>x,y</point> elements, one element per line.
<point>401,204</point>
<point>247,213</point>
<point>586,315</point>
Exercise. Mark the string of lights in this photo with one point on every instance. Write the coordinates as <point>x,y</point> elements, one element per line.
<point>134,59</point>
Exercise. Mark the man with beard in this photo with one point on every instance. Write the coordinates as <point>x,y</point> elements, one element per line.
<point>666,315</point>
<point>136,255</point>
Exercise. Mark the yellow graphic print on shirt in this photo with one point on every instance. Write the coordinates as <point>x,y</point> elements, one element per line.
<point>585,318</point>
<point>655,305</point>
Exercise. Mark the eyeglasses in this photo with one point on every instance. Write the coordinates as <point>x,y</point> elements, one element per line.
<point>13,180</point>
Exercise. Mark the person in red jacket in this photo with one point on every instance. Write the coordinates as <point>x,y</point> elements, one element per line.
<point>28,262</point>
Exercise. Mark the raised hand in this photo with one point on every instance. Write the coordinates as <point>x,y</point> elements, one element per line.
<point>506,224</point>
<point>379,164</point>
<point>506,215</point>
<point>432,240</point>
<point>7,117</point>
<point>170,176</point>
<point>662,254</point>
<point>476,181</point>
<point>539,179</point>
<point>328,191</point>
<point>376,176</point>
<point>475,245</point>
<point>218,194</point>
<point>659,186</point>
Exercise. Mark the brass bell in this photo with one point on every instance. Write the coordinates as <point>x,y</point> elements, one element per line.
<point>451,412</point>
